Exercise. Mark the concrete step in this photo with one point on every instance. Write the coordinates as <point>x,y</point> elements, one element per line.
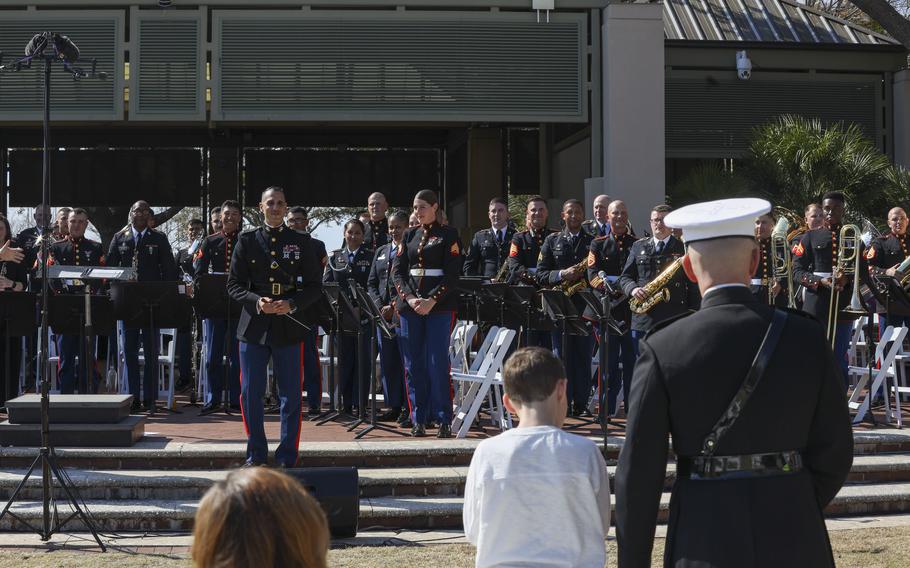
<point>122,434</point>
<point>71,408</point>
<point>374,482</point>
<point>396,512</point>
<point>162,454</point>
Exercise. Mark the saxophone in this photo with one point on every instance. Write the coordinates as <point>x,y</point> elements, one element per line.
<point>569,288</point>
<point>656,289</point>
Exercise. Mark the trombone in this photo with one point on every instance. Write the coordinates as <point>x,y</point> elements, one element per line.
<point>848,264</point>
<point>780,250</point>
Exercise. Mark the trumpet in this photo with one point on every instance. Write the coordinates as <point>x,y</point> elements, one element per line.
<point>656,289</point>
<point>848,263</point>
<point>780,249</point>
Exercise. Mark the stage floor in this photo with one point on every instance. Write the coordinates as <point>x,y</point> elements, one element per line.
<point>188,427</point>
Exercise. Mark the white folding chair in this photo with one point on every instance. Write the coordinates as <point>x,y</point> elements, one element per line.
<point>166,365</point>
<point>479,384</point>
<point>857,353</point>
<point>460,344</point>
<point>885,352</point>
<point>202,372</point>
<point>474,364</point>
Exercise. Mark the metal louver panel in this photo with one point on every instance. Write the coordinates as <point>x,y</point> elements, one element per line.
<point>709,117</point>
<point>399,66</point>
<point>169,66</point>
<point>98,34</point>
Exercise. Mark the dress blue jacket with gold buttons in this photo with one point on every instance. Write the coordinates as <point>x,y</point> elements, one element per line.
<point>429,266</point>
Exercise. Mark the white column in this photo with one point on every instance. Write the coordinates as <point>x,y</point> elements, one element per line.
<point>902,118</point>
<point>633,107</point>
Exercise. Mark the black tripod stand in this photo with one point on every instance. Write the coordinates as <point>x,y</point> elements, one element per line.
<point>599,304</point>
<point>345,320</point>
<point>368,308</point>
<point>60,49</point>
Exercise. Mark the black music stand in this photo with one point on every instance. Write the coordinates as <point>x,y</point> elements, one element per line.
<point>322,315</point>
<point>369,309</point>
<point>150,306</point>
<point>17,313</point>
<point>561,310</point>
<point>533,318</point>
<point>213,302</point>
<point>86,316</point>
<point>346,320</point>
<point>599,304</point>
<point>95,312</point>
<point>467,299</point>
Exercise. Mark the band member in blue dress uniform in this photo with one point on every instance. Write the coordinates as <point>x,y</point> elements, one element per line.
<point>149,252</point>
<point>426,274</point>
<point>74,250</point>
<point>814,264</point>
<point>352,263</point>
<point>648,258</point>
<point>275,276</point>
<point>13,278</point>
<point>764,274</point>
<point>563,259</point>
<point>221,334</point>
<point>376,226</point>
<point>298,220</point>
<point>382,291</point>
<point>490,247</point>
<point>524,252</point>
<point>884,255</point>
<point>195,232</point>
<point>608,256</point>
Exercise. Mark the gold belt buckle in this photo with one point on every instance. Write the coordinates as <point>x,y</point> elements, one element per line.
<point>276,289</point>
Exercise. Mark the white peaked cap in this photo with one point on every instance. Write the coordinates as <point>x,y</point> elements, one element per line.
<point>718,219</point>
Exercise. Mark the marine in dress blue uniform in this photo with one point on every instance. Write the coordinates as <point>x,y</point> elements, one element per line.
<point>883,256</point>
<point>184,259</point>
<point>560,256</point>
<point>220,333</point>
<point>814,261</point>
<point>524,251</point>
<point>298,220</point>
<point>16,275</point>
<point>647,259</point>
<point>380,288</point>
<point>428,268</point>
<point>346,265</point>
<point>149,252</point>
<point>489,248</point>
<point>275,275</point>
<point>608,255</point>
<point>74,251</point>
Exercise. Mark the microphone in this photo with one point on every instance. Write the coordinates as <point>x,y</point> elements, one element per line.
<point>65,48</point>
<point>37,44</point>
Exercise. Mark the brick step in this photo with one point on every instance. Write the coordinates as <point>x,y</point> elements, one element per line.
<point>399,512</point>
<point>374,482</point>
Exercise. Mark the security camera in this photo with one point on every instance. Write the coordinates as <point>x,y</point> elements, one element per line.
<point>743,65</point>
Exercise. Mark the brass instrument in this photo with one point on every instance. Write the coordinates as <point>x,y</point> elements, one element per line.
<point>797,222</point>
<point>848,261</point>
<point>569,288</point>
<point>503,272</point>
<point>656,289</point>
<point>780,249</point>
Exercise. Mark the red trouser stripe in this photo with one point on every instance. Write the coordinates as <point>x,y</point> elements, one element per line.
<point>246,427</point>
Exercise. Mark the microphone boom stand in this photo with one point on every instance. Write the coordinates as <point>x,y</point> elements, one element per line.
<point>46,456</point>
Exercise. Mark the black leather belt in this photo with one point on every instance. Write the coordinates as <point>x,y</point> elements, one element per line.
<point>274,289</point>
<point>708,468</point>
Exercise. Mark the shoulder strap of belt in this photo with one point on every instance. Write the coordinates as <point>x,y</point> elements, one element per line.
<point>756,371</point>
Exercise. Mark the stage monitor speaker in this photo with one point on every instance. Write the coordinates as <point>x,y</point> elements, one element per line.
<point>338,492</point>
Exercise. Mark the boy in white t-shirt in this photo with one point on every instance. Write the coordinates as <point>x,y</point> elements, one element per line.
<point>535,495</point>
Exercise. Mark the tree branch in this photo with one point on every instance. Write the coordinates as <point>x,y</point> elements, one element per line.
<point>890,19</point>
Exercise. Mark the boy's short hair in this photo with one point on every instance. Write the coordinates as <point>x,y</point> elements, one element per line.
<point>531,374</point>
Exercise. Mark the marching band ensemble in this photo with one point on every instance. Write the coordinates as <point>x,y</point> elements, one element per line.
<point>410,267</point>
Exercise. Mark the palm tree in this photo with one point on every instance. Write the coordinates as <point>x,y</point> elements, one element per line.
<point>795,160</point>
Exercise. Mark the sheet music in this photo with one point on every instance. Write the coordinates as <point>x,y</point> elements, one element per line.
<point>106,273</point>
<point>72,274</point>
